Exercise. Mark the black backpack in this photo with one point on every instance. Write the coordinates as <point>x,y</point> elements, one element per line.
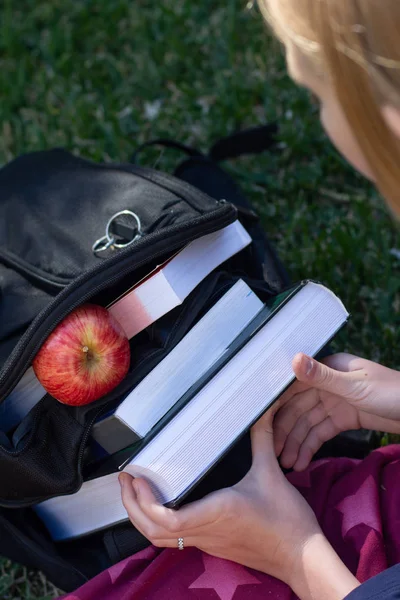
<point>54,206</point>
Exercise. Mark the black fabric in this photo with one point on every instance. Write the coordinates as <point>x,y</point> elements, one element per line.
<point>73,200</point>
<point>22,540</point>
<point>20,302</point>
<point>385,586</point>
<point>123,541</point>
<point>249,141</point>
<point>164,143</point>
<point>45,462</point>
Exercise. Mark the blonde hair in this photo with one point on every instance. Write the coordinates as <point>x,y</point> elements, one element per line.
<point>357,43</point>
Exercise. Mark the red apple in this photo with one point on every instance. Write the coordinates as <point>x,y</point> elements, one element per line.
<point>84,358</point>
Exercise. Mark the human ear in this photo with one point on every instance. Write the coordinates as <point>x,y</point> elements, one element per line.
<point>392,118</point>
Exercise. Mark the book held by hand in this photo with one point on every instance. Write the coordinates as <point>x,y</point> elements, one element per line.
<point>223,404</point>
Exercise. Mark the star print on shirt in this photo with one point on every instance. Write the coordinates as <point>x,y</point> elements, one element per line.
<point>223,576</point>
<point>115,571</point>
<point>360,508</point>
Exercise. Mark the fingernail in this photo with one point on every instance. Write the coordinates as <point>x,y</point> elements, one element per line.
<point>121,480</point>
<point>308,365</point>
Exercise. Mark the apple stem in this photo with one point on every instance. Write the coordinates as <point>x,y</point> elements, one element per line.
<point>88,354</point>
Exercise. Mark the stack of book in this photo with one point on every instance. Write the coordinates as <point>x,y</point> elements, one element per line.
<point>178,422</point>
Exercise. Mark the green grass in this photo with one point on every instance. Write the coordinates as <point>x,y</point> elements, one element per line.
<point>100,77</point>
<point>18,583</point>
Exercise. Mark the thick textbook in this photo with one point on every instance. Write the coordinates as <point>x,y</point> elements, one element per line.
<point>169,285</point>
<point>157,393</point>
<point>211,417</point>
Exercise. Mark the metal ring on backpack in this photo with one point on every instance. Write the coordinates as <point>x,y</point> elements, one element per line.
<point>113,218</point>
<point>103,244</point>
<point>109,241</point>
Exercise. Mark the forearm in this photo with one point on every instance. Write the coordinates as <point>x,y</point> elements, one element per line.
<point>320,574</point>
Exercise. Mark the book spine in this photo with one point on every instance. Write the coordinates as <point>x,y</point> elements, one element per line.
<point>113,435</point>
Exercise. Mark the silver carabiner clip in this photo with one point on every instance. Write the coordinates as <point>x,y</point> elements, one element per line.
<point>138,234</point>
<point>103,244</point>
<point>109,241</point>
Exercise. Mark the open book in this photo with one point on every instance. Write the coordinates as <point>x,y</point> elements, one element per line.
<point>206,422</point>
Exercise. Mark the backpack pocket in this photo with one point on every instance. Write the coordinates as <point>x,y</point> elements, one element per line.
<point>51,217</point>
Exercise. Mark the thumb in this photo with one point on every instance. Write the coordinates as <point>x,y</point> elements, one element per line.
<point>322,377</point>
<point>262,439</point>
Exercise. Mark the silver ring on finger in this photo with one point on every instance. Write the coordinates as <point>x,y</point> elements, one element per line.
<point>181,545</point>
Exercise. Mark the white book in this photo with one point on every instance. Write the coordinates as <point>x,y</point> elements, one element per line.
<point>243,387</point>
<point>168,285</point>
<point>201,347</point>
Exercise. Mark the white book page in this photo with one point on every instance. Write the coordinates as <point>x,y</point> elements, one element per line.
<point>97,504</point>
<point>190,359</point>
<point>203,255</point>
<point>154,289</point>
<point>239,393</point>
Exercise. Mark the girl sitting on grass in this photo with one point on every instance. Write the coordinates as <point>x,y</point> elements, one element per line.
<point>331,529</point>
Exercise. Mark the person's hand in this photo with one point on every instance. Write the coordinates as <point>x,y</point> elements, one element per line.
<point>340,393</point>
<point>262,522</point>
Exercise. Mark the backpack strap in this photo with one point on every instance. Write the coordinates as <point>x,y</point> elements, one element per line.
<point>123,541</point>
<point>166,143</point>
<point>248,141</point>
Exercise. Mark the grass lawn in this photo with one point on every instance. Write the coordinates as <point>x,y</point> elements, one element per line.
<point>101,77</point>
